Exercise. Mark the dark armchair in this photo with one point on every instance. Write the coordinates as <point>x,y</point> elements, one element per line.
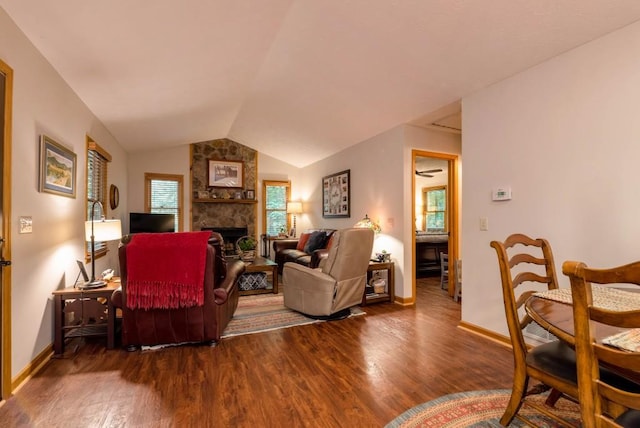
<point>169,311</point>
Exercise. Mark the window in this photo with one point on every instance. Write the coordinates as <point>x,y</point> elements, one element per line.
<point>97,161</point>
<point>435,208</point>
<point>275,195</point>
<point>163,195</point>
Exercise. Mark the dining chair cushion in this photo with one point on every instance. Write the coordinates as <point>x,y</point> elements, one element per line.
<point>559,359</point>
<point>629,419</point>
<point>556,358</point>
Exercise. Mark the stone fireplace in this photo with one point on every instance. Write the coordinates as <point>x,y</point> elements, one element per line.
<point>230,235</point>
<point>214,208</point>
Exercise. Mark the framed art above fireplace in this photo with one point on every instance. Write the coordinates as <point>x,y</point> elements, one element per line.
<point>224,173</point>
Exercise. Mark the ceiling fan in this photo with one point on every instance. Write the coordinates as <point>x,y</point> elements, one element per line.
<point>428,172</point>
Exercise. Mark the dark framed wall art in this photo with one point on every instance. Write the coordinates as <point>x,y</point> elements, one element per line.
<point>57,168</point>
<point>336,195</point>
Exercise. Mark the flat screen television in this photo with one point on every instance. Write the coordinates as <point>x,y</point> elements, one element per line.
<point>151,223</point>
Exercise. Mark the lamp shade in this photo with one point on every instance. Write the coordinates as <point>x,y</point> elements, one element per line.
<point>103,230</point>
<point>367,223</point>
<point>294,207</point>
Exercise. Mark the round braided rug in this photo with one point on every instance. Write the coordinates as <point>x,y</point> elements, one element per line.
<point>480,409</point>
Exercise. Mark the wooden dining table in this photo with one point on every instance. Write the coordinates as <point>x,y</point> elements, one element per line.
<point>557,318</point>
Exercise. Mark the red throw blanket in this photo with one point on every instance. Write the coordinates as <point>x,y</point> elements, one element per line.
<point>166,270</point>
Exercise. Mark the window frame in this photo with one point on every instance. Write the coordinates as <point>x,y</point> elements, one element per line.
<point>179,178</point>
<point>94,149</point>
<point>426,211</point>
<point>265,211</point>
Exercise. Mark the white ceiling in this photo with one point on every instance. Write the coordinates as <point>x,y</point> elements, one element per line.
<point>298,80</point>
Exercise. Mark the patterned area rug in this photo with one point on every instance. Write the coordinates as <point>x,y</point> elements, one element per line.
<point>480,409</point>
<point>260,313</point>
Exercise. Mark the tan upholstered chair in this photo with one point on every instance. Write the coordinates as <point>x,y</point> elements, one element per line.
<point>604,401</point>
<point>531,263</point>
<point>330,290</point>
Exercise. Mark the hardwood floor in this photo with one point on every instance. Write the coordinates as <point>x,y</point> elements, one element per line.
<point>359,372</point>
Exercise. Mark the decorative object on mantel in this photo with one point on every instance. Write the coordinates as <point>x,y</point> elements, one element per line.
<point>224,173</point>
<point>336,195</point>
<point>294,207</point>
<point>367,223</point>
<point>57,168</point>
<point>246,247</point>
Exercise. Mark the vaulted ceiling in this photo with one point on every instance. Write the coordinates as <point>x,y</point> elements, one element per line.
<point>298,80</point>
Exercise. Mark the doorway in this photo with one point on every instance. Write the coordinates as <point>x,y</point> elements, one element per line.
<point>6,87</point>
<point>435,210</point>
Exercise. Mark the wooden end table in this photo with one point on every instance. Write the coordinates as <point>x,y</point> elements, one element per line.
<point>80,312</point>
<point>389,293</point>
<point>262,264</point>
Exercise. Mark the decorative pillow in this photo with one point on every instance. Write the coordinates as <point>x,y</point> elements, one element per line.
<point>302,241</point>
<point>316,241</point>
<point>330,241</point>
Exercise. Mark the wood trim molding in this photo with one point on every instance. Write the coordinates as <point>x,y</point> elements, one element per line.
<point>5,298</point>
<point>487,334</point>
<point>33,367</point>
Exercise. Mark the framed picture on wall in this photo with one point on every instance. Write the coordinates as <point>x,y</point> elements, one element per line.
<point>336,195</point>
<point>224,173</point>
<point>57,168</point>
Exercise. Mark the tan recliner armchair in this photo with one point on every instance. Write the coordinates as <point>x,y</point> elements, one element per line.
<point>330,290</point>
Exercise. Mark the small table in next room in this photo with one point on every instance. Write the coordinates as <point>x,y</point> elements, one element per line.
<point>261,265</point>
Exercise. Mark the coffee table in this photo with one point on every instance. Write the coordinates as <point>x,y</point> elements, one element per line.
<point>262,264</point>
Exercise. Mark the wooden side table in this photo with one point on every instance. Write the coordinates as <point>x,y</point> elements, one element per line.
<point>389,294</point>
<point>84,313</point>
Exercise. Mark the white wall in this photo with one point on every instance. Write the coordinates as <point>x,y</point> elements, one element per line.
<point>44,260</point>
<point>172,160</point>
<point>564,135</point>
<point>381,175</point>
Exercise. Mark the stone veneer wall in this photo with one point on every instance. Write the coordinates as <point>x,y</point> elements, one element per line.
<point>217,214</point>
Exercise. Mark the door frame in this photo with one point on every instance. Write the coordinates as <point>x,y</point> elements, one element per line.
<point>5,284</point>
<point>453,210</point>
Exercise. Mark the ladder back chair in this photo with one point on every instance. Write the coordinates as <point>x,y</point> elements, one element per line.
<point>553,363</point>
<point>605,401</point>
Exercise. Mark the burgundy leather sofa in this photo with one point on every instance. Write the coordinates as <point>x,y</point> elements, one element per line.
<point>194,324</point>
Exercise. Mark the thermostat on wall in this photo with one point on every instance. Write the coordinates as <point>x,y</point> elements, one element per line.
<point>501,194</point>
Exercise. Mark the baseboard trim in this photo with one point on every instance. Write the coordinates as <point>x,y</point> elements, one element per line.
<point>487,334</point>
<point>404,301</point>
<point>37,364</point>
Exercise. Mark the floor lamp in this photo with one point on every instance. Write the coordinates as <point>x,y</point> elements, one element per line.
<point>294,207</point>
<point>99,231</point>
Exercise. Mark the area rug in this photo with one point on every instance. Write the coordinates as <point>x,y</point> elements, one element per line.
<point>480,409</point>
<point>257,314</point>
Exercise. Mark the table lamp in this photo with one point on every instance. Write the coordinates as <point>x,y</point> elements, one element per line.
<point>367,223</point>
<point>294,207</point>
<point>100,231</point>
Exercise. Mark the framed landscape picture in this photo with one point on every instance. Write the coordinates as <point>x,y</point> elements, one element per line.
<point>224,173</point>
<point>57,168</point>
<point>336,195</point>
